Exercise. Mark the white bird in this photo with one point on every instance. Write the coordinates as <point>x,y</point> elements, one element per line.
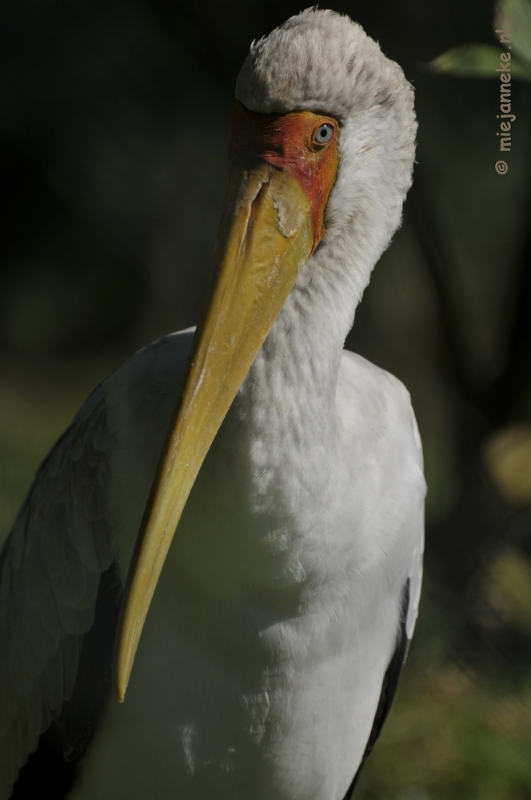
<point>291,476</point>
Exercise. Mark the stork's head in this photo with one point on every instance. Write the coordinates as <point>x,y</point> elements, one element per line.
<point>322,145</point>
<point>324,63</point>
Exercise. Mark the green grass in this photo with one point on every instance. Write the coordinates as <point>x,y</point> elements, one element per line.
<point>451,735</point>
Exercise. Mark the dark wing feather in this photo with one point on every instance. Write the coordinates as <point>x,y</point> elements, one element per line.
<point>50,570</point>
<point>389,685</point>
<point>61,747</point>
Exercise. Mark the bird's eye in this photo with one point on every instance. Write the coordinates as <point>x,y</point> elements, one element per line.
<point>323,133</point>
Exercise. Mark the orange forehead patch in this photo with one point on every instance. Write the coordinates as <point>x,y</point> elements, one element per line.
<point>287,142</point>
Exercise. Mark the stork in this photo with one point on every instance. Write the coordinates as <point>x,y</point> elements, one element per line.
<point>254,487</point>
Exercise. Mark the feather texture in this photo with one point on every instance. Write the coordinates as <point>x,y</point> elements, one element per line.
<point>50,569</point>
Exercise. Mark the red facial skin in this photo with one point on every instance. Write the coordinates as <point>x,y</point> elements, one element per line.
<point>286,141</point>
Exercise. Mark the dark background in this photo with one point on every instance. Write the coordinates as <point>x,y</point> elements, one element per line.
<point>112,163</point>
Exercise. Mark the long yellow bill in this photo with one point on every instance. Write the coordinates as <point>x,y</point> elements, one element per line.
<point>268,232</point>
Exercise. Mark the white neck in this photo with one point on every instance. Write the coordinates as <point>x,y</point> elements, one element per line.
<point>282,427</point>
<point>286,407</point>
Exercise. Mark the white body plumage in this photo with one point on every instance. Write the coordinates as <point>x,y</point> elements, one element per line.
<point>278,610</point>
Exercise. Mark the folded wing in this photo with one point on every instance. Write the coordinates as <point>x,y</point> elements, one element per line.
<point>50,571</point>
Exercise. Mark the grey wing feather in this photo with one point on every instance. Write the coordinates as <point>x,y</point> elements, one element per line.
<point>50,569</point>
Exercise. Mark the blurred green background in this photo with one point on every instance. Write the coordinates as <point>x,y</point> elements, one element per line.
<point>113,142</point>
